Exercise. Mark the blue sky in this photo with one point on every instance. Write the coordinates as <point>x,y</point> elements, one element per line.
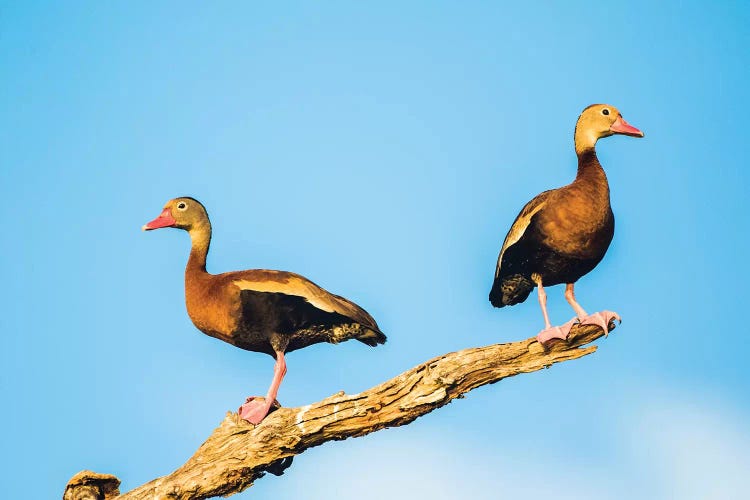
<point>381,150</point>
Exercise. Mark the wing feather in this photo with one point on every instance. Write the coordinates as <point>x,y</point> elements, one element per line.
<point>519,226</point>
<point>264,280</point>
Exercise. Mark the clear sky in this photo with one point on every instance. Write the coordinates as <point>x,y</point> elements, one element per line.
<point>382,150</point>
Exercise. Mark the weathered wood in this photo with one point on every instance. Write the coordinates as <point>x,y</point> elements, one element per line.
<point>87,485</point>
<point>238,453</point>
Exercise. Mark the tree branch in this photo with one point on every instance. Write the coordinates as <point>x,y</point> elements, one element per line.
<point>238,453</point>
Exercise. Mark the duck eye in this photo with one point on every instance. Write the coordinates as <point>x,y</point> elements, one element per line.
<point>181,205</point>
<point>605,111</point>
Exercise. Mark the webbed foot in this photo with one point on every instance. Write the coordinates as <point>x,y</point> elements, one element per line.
<point>603,319</point>
<point>254,410</point>
<point>556,332</point>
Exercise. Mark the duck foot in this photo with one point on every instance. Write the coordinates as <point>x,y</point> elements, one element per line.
<point>255,409</point>
<point>602,318</point>
<point>555,332</point>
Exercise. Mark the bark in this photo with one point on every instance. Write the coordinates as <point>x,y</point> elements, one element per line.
<point>237,453</point>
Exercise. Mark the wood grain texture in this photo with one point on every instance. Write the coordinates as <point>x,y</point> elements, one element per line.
<point>238,453</point>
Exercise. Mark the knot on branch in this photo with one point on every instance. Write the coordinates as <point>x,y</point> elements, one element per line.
<point>88,485</point>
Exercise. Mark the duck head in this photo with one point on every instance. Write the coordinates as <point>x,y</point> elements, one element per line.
<point>601,120</point>
<point>183,213</point>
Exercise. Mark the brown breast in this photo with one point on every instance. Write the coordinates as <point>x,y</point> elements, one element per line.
<point>213,305</point>
<point>577,219</point>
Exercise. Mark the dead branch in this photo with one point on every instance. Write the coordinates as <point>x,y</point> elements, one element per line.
<point>237,453</point>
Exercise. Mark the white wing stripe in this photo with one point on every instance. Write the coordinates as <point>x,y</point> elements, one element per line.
<point>294,287</point>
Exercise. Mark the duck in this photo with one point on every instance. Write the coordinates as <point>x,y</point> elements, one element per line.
<point>260,310</point>
<point>562,234</point>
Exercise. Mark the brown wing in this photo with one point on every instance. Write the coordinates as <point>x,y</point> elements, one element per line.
<point>519,226</point>
<point>265,280</point>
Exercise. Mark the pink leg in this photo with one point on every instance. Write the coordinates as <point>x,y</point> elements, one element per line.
<point>254,410</point>
<point>543,303</point>
<point>570,296</point>
<point>550,332</point>
<point>602,318</point>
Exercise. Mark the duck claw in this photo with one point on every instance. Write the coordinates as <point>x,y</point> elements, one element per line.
<point>256,408</point>
<point>555,332</point>
<point>602,319</point>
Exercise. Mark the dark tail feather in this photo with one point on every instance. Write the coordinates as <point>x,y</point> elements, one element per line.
<point>510,290</point>
<point>371,337</point>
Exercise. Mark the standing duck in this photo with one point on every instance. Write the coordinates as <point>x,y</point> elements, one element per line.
<point>274,312</point>
<point>562,234</point>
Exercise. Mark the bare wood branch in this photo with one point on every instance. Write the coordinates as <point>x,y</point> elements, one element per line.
<point>238,453</point>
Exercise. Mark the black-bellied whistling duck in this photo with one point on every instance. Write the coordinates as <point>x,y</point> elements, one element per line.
<point>563,233</point>
<point>274,312</point>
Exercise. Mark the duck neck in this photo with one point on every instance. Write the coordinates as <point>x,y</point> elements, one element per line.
<point>588,163</point>
<point>584,138</point>
<point>589,166</point>
<point>201,239</point>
